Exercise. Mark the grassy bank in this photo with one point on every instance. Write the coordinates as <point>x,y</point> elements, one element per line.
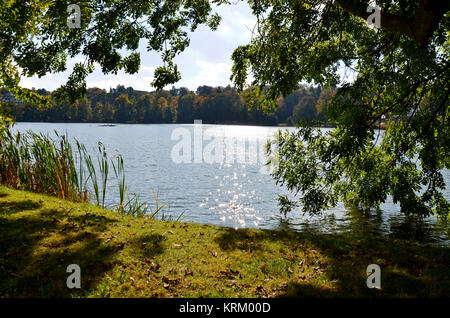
<point>122,256</point>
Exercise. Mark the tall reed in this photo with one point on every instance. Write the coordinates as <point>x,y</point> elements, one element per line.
<point>37,163</point>
<point>120,175</point>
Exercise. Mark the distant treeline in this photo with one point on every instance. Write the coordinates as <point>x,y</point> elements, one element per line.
<point>178,105</point>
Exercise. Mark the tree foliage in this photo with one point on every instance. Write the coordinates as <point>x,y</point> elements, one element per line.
<point>35,39</point>
<point>401,71</point>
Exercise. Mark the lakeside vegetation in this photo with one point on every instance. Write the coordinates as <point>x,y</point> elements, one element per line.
<point>58,167</point>
<point>178,105</point>
<point>124,256</point>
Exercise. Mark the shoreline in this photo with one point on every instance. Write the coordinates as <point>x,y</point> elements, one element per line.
<point>110,124</point>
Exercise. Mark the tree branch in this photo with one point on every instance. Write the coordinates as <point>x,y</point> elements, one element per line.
<point>428,15</point>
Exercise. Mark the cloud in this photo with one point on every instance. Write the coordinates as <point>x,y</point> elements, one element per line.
<point>225,31</point>
<point>211,74</point>
<point>237,23</point>
<point>139,81</point>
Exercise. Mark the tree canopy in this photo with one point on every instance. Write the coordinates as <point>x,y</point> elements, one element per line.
<point>400,70</point>
<point>36,39</point>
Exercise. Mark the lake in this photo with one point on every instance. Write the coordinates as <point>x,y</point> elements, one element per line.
<point>215,174</point>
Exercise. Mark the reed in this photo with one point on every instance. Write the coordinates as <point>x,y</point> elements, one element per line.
<point>120,175</point>
<point>38,163</point>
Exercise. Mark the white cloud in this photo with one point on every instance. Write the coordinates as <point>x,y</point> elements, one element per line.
<point>139,81</point>
<point>237,23</point>
<point>225,31</point>
<point>211,74</point>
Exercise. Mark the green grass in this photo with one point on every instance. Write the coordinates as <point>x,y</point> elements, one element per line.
<point>124,256</point>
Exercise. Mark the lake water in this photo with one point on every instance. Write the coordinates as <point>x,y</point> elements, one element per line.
<point>233,190</point>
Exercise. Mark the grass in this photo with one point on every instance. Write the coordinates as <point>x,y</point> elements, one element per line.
<point>125,256</point>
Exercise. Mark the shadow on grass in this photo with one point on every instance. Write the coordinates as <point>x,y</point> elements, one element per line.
<point>27,269</point>
<point>407,269</point>
<point>7,208</point>
<point>149,245</point>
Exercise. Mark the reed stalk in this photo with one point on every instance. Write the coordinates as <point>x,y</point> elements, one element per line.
<point>37,163</point>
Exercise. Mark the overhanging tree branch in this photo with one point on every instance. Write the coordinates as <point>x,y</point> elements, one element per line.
<point>428,15</point>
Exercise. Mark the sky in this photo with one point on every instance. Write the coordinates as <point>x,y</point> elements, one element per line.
<point>207,60</point>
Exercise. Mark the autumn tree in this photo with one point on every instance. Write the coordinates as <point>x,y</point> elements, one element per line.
<point>124,108</point>
<point>84,110</point>
<point>146,105</point>
<point>326,96</point>
<point>305,110</point>
<point>186,108</point>
<point>97,113</point>
<point>162,110</point>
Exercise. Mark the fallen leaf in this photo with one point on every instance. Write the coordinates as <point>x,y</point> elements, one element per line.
<point>261,291</point>
<point>233,283</point>
<point>231,274</point>
<point>120,246</point>
<point>169,281</point>
<point>152,265</point>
